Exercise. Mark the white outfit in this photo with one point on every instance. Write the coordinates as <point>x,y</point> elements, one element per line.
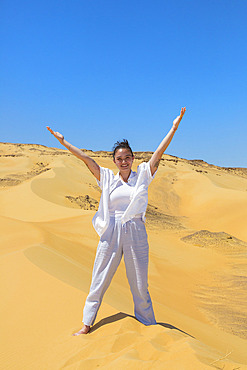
<point>139,198</point>
<point>120,197</point>
<point>120,224</point>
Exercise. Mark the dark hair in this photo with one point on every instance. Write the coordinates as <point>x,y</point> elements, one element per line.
<point>121,144</point>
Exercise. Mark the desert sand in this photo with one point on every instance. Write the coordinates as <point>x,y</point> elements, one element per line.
<point>196,223</point>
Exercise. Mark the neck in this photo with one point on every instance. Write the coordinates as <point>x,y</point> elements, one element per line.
<point>125,176</point>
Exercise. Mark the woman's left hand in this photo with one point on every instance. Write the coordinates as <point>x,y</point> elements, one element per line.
<point>178,119</point>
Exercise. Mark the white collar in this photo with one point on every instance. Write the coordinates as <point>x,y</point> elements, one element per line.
<point>130,179</point>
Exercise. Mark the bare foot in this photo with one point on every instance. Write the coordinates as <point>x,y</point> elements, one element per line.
<point>84,330</point>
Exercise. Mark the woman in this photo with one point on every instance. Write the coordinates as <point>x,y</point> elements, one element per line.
<point>119,222</point>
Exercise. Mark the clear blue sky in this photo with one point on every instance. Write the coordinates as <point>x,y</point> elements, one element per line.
<point>103,70</point>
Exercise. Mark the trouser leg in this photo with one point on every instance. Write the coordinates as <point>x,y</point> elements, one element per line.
<point>108,257</point>
<point>136,256</point>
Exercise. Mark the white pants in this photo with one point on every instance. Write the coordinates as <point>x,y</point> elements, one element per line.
<point>129,240</point>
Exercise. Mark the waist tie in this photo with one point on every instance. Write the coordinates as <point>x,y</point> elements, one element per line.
<point>117,215</point>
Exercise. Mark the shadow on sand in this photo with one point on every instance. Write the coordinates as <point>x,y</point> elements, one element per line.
<point>121,315</point>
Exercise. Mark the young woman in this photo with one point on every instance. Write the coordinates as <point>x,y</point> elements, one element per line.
<point>119,222</point>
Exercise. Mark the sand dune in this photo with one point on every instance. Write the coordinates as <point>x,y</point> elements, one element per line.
<point>196,221</point>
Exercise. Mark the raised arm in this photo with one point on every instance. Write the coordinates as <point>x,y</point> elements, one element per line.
<point>156,157</point>
<point>91,164</point>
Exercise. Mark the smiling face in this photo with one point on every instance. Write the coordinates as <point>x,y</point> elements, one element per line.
<point>123,160</point>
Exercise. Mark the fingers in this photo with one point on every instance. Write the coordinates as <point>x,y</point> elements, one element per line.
<point>49,129</point>
<point>182,111</point>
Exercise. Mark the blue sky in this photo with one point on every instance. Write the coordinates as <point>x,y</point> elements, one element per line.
<point>102,70</point>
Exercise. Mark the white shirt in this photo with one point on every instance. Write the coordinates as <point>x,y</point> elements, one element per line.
<point>120,197</point>
<point>140,181</point>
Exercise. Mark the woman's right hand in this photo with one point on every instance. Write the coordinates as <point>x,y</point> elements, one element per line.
<point>57,135</point>
<point>91,164</point>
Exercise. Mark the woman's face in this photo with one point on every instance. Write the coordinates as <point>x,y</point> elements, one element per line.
<point>123,160</point>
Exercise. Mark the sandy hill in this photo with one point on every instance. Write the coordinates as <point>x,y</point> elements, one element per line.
<point>196,222</point>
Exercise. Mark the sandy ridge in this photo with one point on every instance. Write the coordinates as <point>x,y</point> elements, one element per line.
<point>197,266</point>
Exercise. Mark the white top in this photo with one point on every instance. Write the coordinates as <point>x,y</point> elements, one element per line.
<point>139,182</point>
<point>120,197</point>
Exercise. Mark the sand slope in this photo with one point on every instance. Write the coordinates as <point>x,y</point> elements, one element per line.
<point>196,223</point>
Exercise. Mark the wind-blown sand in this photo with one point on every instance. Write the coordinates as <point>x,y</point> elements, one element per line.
<point>196,223</point>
